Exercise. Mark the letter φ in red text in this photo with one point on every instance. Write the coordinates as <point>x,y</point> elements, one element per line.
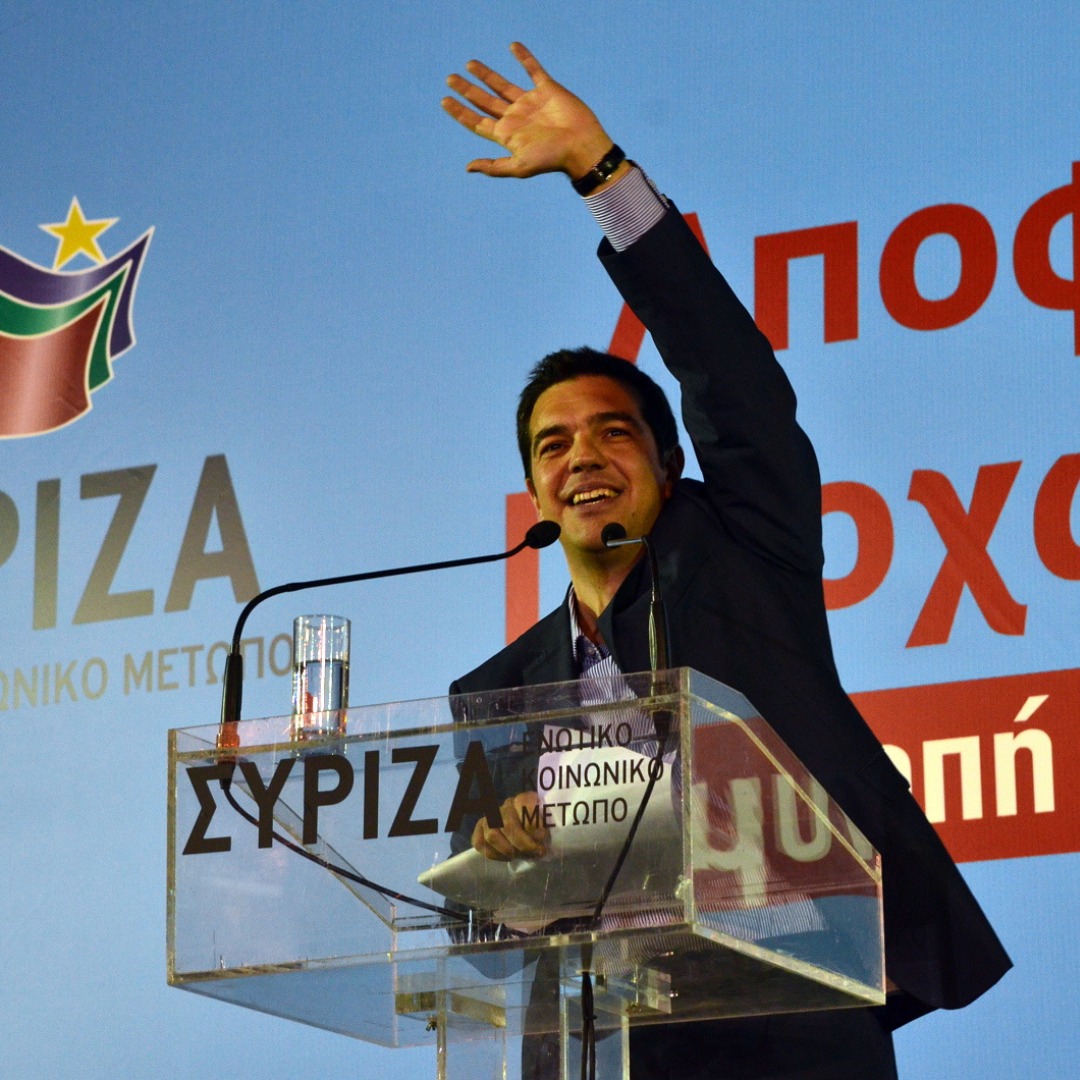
<point>1031,252</point>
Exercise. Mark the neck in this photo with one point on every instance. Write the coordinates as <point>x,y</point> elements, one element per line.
<point>596,577</point>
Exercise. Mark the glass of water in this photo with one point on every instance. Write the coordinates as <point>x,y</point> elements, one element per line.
<point>320,675</point>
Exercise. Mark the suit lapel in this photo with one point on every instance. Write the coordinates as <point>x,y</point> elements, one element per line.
<point>624,623</point>
<point>555,659</point>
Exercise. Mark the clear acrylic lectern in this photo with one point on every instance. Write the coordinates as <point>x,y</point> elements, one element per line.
<point>332,880</point>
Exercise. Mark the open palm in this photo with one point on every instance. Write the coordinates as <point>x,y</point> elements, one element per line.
<point>545,129</point>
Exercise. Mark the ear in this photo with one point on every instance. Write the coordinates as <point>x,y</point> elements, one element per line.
<point>676,462</point>
<point>531,489</point>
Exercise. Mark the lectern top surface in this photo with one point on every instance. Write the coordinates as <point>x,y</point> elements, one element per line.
<point>547,702</point>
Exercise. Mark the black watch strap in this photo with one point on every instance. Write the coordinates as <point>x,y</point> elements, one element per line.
<point>600,172</point>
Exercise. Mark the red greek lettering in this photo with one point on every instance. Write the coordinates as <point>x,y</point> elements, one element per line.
<point>978,267</point>
<point>1054,541</point>
<point>965,534</point>
<point>839,244</point>
<point>1037,279</point>
<point>874,527</point>
<point>523,570</point>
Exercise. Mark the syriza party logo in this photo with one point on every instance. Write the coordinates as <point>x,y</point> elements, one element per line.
<point>61,330</point>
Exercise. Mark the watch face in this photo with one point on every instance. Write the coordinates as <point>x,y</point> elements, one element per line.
<point>600,171</point>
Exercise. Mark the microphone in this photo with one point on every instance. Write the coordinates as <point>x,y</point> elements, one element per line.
<point>541,535</point>
<point>614,535</point>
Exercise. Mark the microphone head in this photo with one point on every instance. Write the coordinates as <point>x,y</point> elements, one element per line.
<point>543,534</point>
<point>612,531</point>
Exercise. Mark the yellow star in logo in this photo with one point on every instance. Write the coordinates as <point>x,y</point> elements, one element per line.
<point>78,235</point>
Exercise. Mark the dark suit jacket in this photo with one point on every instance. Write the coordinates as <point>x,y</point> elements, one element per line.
<point>740,565</point>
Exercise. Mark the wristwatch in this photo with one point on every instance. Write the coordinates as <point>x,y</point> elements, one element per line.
<point>600,172</point>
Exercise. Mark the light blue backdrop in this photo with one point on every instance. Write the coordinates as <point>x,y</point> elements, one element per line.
<point>332,303</point>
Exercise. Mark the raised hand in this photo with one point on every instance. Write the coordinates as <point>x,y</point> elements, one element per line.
<point>546,129</point>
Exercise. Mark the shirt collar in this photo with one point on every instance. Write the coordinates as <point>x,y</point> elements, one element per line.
<point>584,649</point>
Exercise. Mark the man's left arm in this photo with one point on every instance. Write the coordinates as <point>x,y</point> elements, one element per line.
<point>738,406</point>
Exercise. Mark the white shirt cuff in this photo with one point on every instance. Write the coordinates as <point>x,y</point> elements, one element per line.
<point>627,210</point>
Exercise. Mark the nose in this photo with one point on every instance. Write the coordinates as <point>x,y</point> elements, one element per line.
<point>586,454</point>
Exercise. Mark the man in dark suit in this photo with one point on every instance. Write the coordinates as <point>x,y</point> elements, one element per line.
<point>740,563</point>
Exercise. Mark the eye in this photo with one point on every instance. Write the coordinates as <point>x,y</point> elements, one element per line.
<point>548,447</point>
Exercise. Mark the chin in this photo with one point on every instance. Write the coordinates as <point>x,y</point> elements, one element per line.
<point>586,540</point>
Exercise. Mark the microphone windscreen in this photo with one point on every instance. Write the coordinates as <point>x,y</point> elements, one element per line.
<point>612,531</point>
<point>543,534</point>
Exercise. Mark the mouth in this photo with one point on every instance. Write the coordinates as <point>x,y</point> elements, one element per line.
<point>592,496</point>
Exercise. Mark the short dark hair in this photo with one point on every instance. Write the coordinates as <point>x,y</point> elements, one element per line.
<point>567,364</point>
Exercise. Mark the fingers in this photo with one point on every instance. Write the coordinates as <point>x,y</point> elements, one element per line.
<point>529,62</point>
<point>492,844</point>
<point>493,106</point>
<point>514,840</point>
<point>481,842</point>
<point>503,87</point>
<point>504,166</point>
<point>506,91</point>
<point>527,842</point>
<point>480,125</point>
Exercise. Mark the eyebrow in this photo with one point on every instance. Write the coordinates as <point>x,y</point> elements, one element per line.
<point>596,418</point>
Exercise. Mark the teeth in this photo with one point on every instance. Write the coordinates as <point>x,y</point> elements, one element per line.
<point>592,496</point>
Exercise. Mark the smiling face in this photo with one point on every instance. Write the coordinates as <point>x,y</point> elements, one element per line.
<point>594,461</point>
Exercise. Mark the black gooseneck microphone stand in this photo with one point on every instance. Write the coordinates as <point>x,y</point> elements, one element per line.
<point>541,535</point>
<point>614,535</point>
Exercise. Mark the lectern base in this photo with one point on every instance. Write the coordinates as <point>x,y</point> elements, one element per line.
<point>554,1055</point>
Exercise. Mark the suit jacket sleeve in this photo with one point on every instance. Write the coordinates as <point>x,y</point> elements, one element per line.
<point>759,468</point>
<point>762,480</point>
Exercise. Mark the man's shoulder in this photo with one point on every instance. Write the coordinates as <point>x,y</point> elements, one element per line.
<point>689,518</point>
<point>541,654</point>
